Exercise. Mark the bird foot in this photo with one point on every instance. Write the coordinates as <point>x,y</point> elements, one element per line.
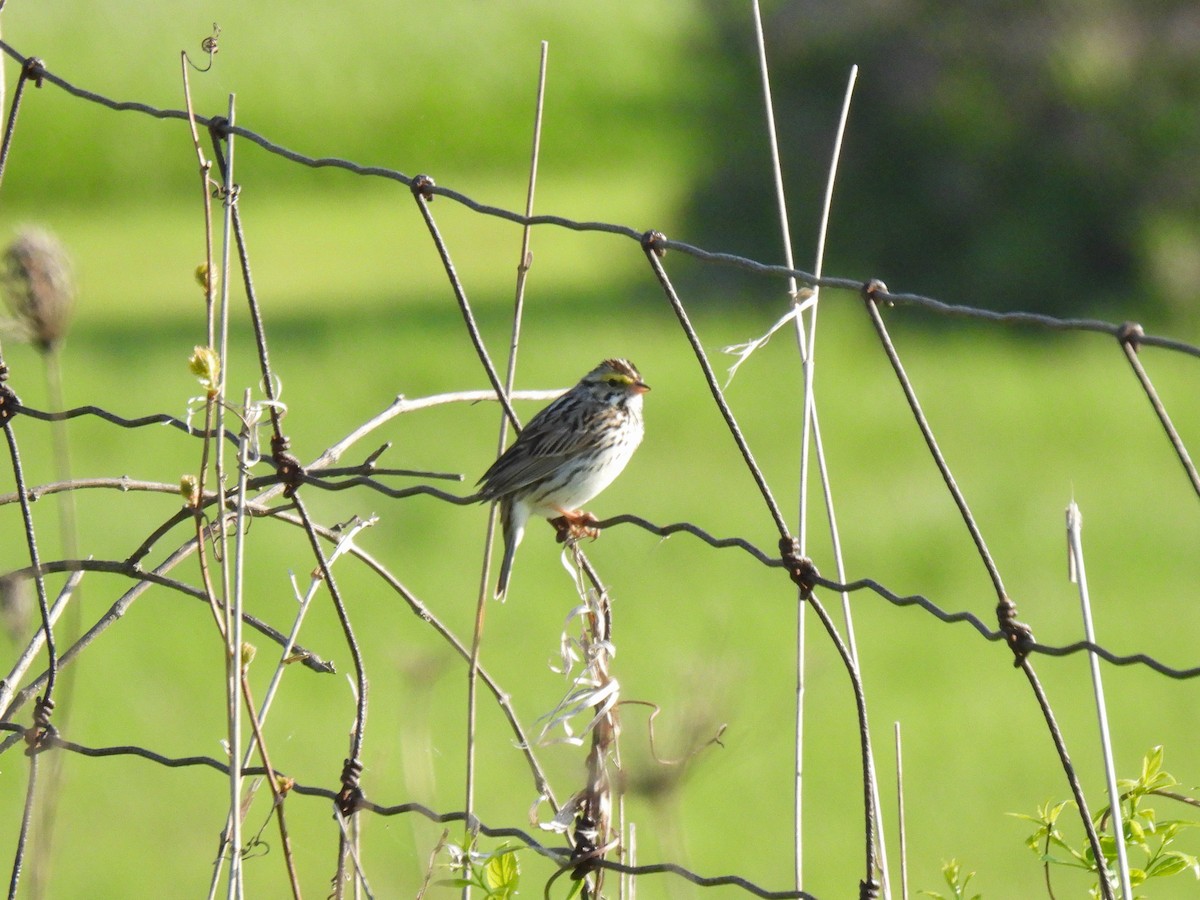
<point>575,524</point>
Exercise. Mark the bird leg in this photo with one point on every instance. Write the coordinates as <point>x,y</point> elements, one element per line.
<point>574,524</point>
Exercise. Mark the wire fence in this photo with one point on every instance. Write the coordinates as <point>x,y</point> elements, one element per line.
<point>238,482</point>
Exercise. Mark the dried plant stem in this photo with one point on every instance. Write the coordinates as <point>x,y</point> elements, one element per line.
<point>1079,575</point>
<point>523,265</point>
<point>205,166</point>
<point>45,704</point>
<point>277,793</point>
<point>786,237</point>
<point>68,528</point>
<point>25,660</point>
<point>900,815</point>
<point>812,423</point>
<point>69,540</point>
<point>811,434</point>
<point>23,835</point>
<point>236,661</point>
<point>231,598</point>
<point>228,618</point>
<point>3,79</point>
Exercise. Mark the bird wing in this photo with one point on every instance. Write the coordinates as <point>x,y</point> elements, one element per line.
<point>540,449</point>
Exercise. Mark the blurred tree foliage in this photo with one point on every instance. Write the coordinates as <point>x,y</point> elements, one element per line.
<point>1007,154</point>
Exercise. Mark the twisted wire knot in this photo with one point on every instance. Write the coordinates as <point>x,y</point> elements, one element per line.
<point>218,128</point>
<point>656,241</point>
<point>351,794</point>
<point>1017,635</point>
<point>10,403</point>
<point>1131,334</point>
<point>38,738</point>
<point>291,471</point>
<point>422,186</point>
<point>800,568</point>
<point>34,69</point>
<point>872,291</point>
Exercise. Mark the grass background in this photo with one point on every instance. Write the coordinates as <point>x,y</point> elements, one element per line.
<point>358,310</point>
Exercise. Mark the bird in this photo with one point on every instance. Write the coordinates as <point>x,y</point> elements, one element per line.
<point>567,454</point>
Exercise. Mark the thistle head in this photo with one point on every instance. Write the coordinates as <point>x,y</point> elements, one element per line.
<point>38,287</point>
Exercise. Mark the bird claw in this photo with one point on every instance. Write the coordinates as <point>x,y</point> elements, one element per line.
<point>575,524</point>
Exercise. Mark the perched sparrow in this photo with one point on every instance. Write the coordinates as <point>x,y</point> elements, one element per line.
<point>567,454</point>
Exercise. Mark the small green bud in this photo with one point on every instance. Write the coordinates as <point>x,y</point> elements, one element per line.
<point>207,278</point>
<point>206,366</point>
<point>189,489</point>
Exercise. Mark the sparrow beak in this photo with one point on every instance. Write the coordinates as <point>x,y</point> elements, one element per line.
<point>640,387</point>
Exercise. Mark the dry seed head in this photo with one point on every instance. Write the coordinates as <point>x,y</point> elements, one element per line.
<point>38,286</point>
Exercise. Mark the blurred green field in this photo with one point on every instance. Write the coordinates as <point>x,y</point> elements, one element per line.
<point>358,310</point>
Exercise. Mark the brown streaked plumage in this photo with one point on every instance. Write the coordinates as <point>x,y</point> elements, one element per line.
<point>567,454</point>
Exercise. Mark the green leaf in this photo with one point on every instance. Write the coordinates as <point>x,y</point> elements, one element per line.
<point>1053,812</point>
<point>1171,863</point>
<point>953,875</point>
<point>502,874</point>
<point>950,872</point>
<point>1152,764</point>
<point>1135,833</point>
<point>1151,818</point>
<point>1026,817</point>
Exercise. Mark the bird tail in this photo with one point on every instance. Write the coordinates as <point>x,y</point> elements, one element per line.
<point>513,525</point>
